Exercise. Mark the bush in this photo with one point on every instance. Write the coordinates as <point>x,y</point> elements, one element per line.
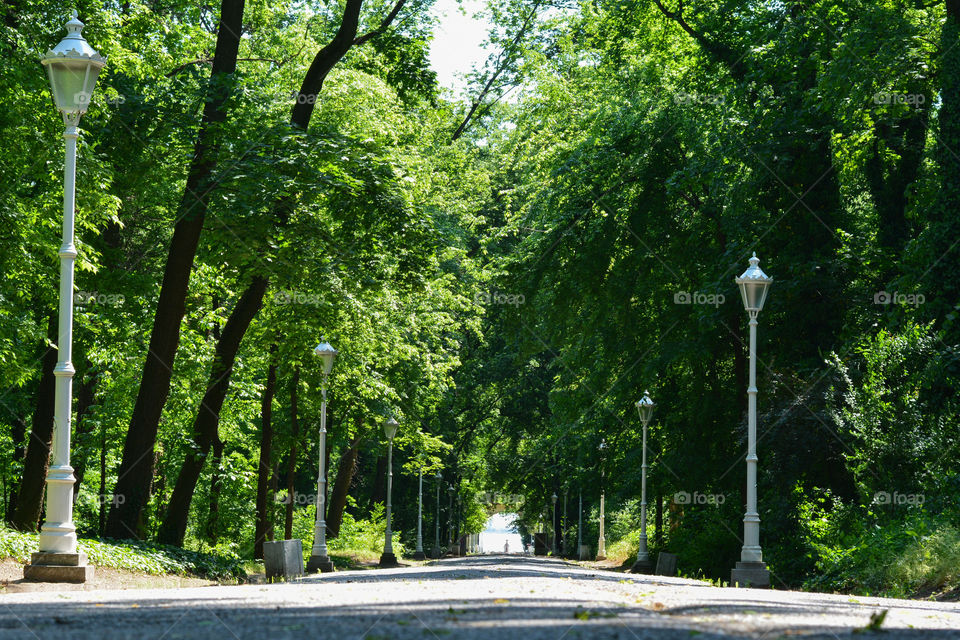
<point>365,536</point>
<point>133,556</point>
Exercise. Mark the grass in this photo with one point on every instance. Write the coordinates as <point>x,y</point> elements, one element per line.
<point>929,565</point>
<point>129,555</point>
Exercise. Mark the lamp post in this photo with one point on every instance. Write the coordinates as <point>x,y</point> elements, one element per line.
<point>450,491</point>
<point>602,543</point>
<point>752,570</point>
<point>645,409</point>
<point>388,559</point>
<point>556,550</point>
<point>72,67</point>
<point>418,554</point>
<point>436,541</point>
<point>319,561</point>
<point>580,527</point>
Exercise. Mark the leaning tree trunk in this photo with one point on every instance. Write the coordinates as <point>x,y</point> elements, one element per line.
<point>292,459</point>
<point>173,531</point>
<point>135,474</point>
<point>207,421</point>
<point>85,398</point>
<point>341,487</point>
<point>378,493</point>
<point>216,488</point>
<point>37,459</point>
<point>264,466</point>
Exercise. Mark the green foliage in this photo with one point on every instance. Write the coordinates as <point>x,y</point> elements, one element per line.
<point>134,556</point>
<point>365,536</point>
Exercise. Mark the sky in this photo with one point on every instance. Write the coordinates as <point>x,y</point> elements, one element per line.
<point>500,535</point>
<point>456,46</point>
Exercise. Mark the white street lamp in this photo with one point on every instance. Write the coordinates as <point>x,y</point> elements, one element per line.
<point>602,543</point>
<point>645,409</point>
<point>419,554</point>
<point>388,559</point>
<point>751,570</point>
<point>319,560</point>
<point>580,553</point>
<point>450,490</point>
<point>436,542</point>
<point>72,66</point>
<point>556,550</point>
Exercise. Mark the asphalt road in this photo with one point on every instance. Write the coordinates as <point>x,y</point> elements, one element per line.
<point>479,597</point>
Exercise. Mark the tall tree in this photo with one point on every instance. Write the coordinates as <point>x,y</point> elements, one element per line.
<point>132,490</point>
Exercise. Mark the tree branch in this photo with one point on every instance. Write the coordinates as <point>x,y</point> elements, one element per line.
<point>383,24</point>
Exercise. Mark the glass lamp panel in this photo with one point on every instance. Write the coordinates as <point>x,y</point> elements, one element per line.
<point>72,83</point>
<point>390,428</point>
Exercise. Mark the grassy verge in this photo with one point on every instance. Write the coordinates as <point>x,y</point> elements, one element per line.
<point>128,555</point>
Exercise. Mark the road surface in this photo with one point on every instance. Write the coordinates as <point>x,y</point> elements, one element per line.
<point>505,597</point>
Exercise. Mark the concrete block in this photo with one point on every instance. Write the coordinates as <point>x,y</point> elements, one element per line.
<point>753,575</point>
<point>666,564</point>
<point>283,559</point>
<point>57,573</point>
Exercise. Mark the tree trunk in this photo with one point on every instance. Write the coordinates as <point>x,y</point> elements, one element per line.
<point>207,421</point>
<point>213,516</point>
<point>102,514</point>
<point>341,487</point>
<point>85,397</point>
<point>378,492</point>
<point>19,434</point>
<point>37,459</point>
<point>272,499</point>
<point>292,459</point>
<point>136,473</point>
<point>658,532</point>
<point>264,466</point>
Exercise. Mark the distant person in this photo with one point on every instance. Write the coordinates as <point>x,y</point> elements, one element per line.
<point>506,547</point>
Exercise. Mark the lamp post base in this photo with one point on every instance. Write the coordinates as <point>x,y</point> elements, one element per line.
<point>753,575</point>
<point>58,567</point>
<point>388,561</point>
<point>319,564</point>
<point>436,553</point>
<point>419,555</point>
<point>642,566</point>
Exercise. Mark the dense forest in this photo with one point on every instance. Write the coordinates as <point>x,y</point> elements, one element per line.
<point>504,272</point>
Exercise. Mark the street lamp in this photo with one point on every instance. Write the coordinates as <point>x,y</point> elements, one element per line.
<point>580,528</point>
<point>553,498</point>
<point>436,541</point>
<point>602,543</point>
<point>319,561</point>
<point>72,66</point>
<point>751,570</point>
<point>450,490</point>
<point>388,559</point>
<point>645,409</point>
<point>418,554</point>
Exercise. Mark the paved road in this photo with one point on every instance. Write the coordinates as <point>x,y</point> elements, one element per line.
<point>478,597</point>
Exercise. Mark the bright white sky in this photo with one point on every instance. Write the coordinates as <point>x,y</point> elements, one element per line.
<point>500,535</point>
<point>456,46</point>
